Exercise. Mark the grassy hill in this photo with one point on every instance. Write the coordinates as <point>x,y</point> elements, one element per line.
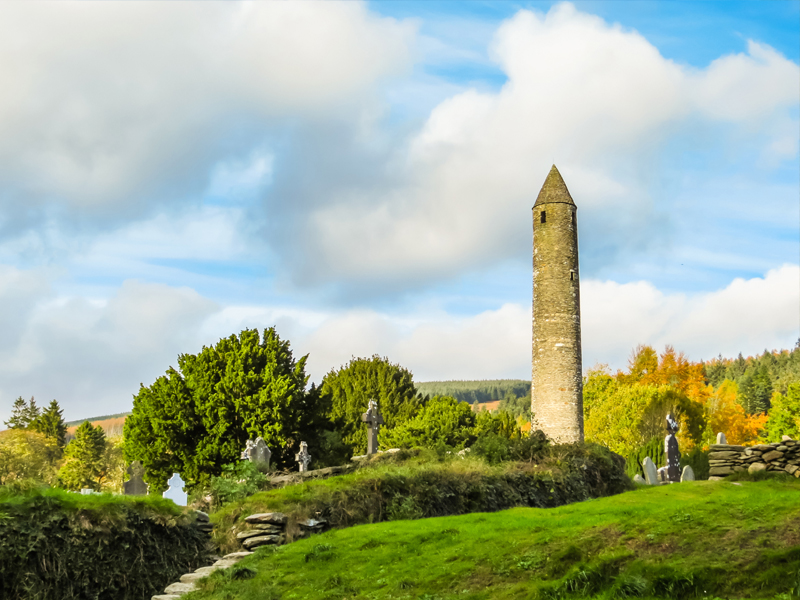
<point>692,540</point>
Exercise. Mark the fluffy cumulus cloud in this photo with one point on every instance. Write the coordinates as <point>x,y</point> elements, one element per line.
<point>594,97</point>
<point>109,107</point>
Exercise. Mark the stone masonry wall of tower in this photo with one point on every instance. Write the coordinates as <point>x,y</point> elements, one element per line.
<point>556,383</point>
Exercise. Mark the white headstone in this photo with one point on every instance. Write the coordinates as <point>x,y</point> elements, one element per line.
<point>721,438</point>
<point>650,473</point>
<point>639,480</point>
<point>86,491</point>
<point>688,474</point>
<point>175,491</point>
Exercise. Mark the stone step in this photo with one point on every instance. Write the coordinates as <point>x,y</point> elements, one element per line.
<point>179,589</point>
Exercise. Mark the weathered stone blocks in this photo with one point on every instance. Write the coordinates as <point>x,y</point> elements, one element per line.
<point>556,378</point>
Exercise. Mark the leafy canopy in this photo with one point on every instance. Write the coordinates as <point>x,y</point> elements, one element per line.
<point>83,464</point>
<point>442,421</point>
<point>347,392</point>
<point>784,417</point>
<point>196,419</point>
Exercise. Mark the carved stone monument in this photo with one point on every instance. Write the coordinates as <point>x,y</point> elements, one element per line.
<point>688,474</point>
<point>721,438</point>
<point>374,420</point>
<point>135,486</point>
<point>303,457</point>
<point>672,451</point>
<point>175,491</point>
<point>650,473</point>
<point>258,453</point>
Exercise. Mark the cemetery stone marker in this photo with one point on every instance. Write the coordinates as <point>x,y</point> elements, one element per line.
<point>135,486</point>
<point>721,438</point>
<point>175,491</point>
<point>303,457</point>
<point>672,451</point>
<point>650,473</point>
<point>258,453</point>
<point>374,420</point>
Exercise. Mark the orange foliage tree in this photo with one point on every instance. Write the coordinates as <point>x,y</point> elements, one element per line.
<point>726,415</point>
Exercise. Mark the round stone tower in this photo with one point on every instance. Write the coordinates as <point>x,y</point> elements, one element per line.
<point>556,383</point>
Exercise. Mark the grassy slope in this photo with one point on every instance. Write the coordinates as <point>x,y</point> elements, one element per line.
<point>700,539</point>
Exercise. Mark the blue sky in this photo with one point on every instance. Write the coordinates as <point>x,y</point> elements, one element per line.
<point>360,175</point>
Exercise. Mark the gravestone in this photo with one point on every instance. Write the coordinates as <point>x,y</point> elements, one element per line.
<point>175,491</point>
<point>374,420</point>
<point>87,491</point>
<point>258,453</point>
<point>672,451</point>
<point>135,486</point>
<point>303,457</point>
<point>721,438</point>
<point>650,473</point>
<point>688,474</point>
<point>639,480</point>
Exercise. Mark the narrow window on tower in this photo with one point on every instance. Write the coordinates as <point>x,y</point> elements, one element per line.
<point>572,275</point>
<point>573,218</point>
<point>544,217</point>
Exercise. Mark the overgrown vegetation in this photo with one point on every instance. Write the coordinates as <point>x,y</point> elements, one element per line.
<point>409,485</point>
<point>58,545</point>
<point>695,540</point>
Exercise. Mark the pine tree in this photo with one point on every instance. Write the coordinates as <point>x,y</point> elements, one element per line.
<point>23,414</point>
<point>84,455</point>
<point>51,423</point>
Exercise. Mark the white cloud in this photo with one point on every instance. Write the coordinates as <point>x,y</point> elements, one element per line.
<point>746,316</point>
<point>107,104</point>
<point>597,99</point>
<point>91,355</point>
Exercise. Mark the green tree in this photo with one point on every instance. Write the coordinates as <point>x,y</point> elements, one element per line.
<point>23,414</point>
<point>83,465</point>
<point>346,394</point>
<point>443,421</point>
<point>197,419</point>
<point>51,423</point>
<point>755,390</point>
<point>784,416</point>
<point>26,454</point>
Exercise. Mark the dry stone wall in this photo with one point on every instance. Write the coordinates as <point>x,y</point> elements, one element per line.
<point>783,456</point>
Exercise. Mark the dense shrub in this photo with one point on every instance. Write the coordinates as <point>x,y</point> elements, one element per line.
<point>58,545</point>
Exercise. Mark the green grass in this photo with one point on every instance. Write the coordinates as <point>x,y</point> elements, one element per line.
<point>412,485</point>
<point>693,540</point>
<point>14,499</point>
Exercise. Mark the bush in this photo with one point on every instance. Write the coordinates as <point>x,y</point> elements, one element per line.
<point>697,458</point>
<point>64,546</point>
<point>237,481</point>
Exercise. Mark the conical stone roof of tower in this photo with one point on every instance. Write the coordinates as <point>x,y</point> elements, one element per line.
<point>554,190</point>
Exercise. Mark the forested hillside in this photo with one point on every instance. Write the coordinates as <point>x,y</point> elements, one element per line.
<point>485,390</point>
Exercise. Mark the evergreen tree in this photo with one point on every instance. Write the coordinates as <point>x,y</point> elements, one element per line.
<point>51,423</point>
<point>784,417</point>
<point>23,414</point>
<point>442,421</point>
<point>196,420</point>
<point>346,394</point>
<point>83,467</point>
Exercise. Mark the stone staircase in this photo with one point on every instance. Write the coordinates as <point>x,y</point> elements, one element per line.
<point>187,581</point>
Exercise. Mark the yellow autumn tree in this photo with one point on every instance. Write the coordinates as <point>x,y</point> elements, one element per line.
<point>671,368</point>
<point>726,415</point>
